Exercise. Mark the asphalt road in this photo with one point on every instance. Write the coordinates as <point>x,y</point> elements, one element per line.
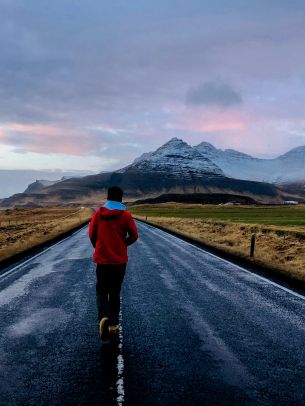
<point>196,330</point>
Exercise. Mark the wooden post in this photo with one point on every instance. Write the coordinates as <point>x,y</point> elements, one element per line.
<point>146,218</point>
<point>252,248</point>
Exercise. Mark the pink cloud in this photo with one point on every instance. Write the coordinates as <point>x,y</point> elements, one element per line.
<point>2,135</point>
<point>240,129</point>
<point>214,121</point>
<point>48,139</point>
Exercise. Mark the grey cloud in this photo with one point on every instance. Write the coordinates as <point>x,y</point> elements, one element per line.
<point>215,94</point>
<point>102,59</point>
<point>93,62</point>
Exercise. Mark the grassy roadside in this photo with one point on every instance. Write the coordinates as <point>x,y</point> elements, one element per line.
<point>289,217</point>
<point>24,229</point>
<point>280,234</point>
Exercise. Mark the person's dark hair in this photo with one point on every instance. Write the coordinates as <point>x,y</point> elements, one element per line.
<point>115,193</point>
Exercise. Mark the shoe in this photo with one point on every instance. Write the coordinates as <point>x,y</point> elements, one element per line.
<point>113,329</point>
<point>104,328</point>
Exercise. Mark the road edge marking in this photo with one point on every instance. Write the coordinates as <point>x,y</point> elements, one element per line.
<point>120,367</point>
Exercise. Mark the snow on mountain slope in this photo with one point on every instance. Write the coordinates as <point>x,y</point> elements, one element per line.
<point>174,168</point>
<point>236,164</point>
<point>177,158</point>
<point>289,167</point>
<point>146,155</point>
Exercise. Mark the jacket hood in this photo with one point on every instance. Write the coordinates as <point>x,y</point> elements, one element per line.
<point>112,205</point>
<point>112,209</point>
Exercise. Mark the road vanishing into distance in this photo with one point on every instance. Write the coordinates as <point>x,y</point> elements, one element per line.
<point>195,330</point>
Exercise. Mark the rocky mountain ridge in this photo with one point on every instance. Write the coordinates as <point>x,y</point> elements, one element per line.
<point>174,168</point>
<point>287,168</point>
<point>40,184</point>
<point>177,157</point>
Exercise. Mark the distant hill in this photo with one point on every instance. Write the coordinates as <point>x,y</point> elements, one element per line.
<point>38,185</point>
<point>17,180</point>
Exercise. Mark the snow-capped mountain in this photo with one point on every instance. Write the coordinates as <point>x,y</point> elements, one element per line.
<point>289,167</point>
<point>178,168</point>
<point>176,157</point>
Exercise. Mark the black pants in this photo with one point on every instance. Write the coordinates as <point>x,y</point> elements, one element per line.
<point>109,279</point>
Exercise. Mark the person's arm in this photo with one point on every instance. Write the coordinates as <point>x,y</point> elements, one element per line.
<point>93,228</point>
<point>132,231</point>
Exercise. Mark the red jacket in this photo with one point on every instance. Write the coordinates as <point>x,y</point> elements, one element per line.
<point>110,232</point>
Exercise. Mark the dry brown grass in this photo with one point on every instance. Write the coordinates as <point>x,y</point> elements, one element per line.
<point>22,229</point>
<point>278,249</point>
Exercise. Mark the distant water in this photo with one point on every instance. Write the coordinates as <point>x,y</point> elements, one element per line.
<point>16,181</point>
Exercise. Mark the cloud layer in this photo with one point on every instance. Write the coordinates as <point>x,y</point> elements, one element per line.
<point>213,94</point>
<point>110,80</point>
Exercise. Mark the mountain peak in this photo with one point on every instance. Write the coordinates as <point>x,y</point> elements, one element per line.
<point>178,158</point>
<point>205,144</point>
<point>175,139</point>
<point>174,142</point>
<point>173,146</point>
<point>205,148</point>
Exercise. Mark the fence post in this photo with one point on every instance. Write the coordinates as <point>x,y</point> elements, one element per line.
<point>252,248</point>
<point>146,218</point>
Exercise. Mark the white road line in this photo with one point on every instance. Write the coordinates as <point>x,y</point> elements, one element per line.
<point>15,268</point>
<point>120,368</point>
<point>292,292</point>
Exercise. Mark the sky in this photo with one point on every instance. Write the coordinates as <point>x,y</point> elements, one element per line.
<point>92,84</point>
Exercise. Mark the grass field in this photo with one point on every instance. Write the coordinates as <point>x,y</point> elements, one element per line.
<point>280,216</point>
<point>280,231</point>
<point>22,229</point>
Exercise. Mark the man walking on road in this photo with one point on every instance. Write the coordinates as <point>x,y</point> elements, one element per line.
<point>112,229</point>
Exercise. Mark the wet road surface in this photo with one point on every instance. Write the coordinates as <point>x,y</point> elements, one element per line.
<point>196,330</point>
